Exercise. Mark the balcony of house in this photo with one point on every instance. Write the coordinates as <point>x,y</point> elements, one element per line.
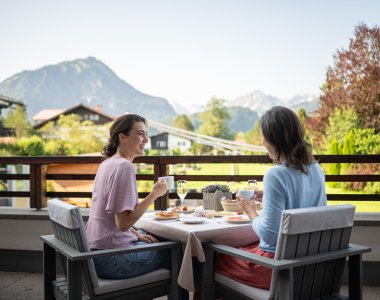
<point>26,183</point>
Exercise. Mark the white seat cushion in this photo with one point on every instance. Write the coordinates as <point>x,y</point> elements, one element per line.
<point>111,285</point>
<point>247,290</point>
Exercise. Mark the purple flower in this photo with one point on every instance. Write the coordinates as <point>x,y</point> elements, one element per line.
<point>212,188</point>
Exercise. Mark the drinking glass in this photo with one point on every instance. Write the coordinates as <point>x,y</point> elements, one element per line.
<point>181,190</point>
<point>252,184</point>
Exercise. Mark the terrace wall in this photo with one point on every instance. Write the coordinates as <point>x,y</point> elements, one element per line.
<point>21,248</point>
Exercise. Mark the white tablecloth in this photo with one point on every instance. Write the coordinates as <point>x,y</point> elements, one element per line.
<point>192,236</point>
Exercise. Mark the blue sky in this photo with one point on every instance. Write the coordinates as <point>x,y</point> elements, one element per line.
<point>187,51</point>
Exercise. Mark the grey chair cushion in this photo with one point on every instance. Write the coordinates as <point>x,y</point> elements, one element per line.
<point>296,221</point>
<point>110,285</point>
<point>247,290</point>
<point>65,214</point>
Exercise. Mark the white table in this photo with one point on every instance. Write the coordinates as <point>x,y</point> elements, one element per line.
<point>192,236</point>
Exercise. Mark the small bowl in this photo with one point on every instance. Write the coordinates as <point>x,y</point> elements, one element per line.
<point>231,206</point>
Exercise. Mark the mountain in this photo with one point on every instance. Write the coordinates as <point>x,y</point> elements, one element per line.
<point>241,119</point>
<point>187,110</point>
<point>308,106</point>
<point>256,101</point>
<point>82,80</point>
<point>260,102</point>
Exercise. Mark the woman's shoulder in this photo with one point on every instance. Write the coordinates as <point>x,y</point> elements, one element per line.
<point>315,167</point>
<point>283,171</point>
<point>117,163</point>
<point>277,171</point>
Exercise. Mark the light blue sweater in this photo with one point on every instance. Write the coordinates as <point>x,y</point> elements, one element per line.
<point>286,188</point>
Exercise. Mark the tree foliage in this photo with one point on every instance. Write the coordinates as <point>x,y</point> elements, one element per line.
<point>253,136</point>
<point>340,123</point>
<point>214,123</point>
<point>183,122</point>
<point>215,119</point>
<point>18,119</point>
<point>28,146</point>
<point>354,81</point>
<point>71,136</point>
<point>343,128</point>
<point>303,117</point>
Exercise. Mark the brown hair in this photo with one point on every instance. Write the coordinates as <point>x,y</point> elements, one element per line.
<point>282,129</point>
<point>122,124</point>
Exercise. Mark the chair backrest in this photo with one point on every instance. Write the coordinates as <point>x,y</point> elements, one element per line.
<point>307,231</point>
<point>69,228</point>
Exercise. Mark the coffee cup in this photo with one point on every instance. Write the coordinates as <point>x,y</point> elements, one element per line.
<point>169,181</point>
<point>246,194</point>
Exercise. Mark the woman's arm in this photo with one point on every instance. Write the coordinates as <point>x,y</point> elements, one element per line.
<point>127,218</point>
<point>274,202</point>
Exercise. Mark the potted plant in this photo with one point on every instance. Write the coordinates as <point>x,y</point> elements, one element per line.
<point>213,193</point>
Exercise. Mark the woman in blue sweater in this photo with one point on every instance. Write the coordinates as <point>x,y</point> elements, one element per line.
<point>295,181</point>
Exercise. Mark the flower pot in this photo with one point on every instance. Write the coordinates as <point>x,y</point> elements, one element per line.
<point>212,200</point>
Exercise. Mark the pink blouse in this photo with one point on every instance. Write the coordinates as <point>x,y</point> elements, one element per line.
<point>114,191</point>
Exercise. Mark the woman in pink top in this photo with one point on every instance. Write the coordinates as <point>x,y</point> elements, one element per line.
<point>115,207</point>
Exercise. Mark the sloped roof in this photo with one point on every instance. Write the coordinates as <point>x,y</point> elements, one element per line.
<point>47,114</point>
<point>8,101</point>
<point>55,113</point>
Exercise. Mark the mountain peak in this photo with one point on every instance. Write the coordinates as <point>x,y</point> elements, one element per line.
<point>67,82</point>
<point>260,102</point>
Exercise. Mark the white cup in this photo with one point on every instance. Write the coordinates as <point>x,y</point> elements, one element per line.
<point>246,194</point>
<point>169,181</point>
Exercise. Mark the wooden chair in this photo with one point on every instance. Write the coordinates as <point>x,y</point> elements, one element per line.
<point>311,254</point>
<point>81,281</point>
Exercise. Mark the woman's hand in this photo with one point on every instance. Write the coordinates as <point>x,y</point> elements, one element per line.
<point>146,238</point>
<point>248,206</point>
<point>258,196</point>
<point>159,188</point>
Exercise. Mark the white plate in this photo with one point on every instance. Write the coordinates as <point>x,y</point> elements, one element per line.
<point>193,220</point>
<point>223,214</point>
<point>238,221</point>
<point>166,218</point>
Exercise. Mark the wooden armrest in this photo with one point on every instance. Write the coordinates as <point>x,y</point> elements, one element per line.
<point>75,255</point>
<point>287,263</point>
